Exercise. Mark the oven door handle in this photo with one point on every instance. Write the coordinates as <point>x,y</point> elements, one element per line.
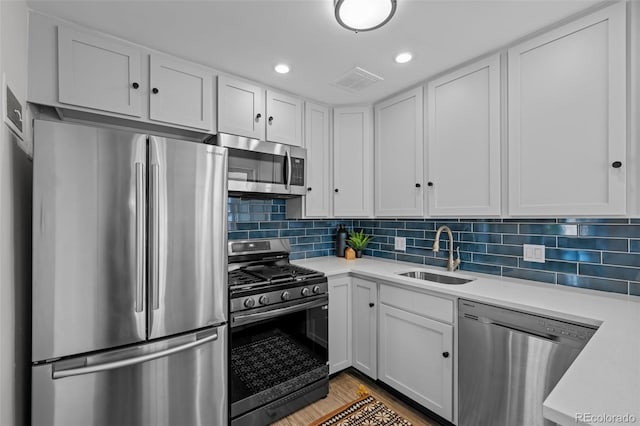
<point>259,316</point>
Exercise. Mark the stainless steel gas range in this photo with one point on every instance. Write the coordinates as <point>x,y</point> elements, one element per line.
<point>279,332</point>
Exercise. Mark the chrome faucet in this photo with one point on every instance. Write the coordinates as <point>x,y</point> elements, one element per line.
<point>452,264</point>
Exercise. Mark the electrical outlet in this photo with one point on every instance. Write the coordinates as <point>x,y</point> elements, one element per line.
<point>533,253</point>
<point>400,244</point>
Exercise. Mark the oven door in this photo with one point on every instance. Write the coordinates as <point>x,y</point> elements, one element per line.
<point>276,351</point>
<point>262,167</point>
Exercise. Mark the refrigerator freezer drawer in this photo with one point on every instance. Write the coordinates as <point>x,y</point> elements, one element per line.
<point>179,381</point>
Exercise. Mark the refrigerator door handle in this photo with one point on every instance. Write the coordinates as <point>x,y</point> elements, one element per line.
<point>140,238</point>
<point>155,247</point>
<point>125,361</point>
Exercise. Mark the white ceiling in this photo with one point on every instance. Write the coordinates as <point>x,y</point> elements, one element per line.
<point>248,37</point>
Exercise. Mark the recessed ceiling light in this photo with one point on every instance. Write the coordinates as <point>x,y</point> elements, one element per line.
<point>282,68</point>
<point>404,57</point>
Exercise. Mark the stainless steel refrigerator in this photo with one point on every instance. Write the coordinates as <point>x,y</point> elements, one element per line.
<point>129,302</point>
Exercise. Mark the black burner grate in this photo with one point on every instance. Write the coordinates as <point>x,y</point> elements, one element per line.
<point>240,277</point>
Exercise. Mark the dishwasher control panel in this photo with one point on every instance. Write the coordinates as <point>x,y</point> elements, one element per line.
<point>525,322</point>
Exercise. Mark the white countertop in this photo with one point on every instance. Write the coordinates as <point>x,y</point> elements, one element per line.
<point>605,378</point>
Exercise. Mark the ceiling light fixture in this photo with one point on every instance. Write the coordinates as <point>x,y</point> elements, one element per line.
<point>404,57</point>
<point>364,15</point>
<point>282,68</point>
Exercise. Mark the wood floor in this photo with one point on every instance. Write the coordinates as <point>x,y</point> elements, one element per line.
<point>342,390</point>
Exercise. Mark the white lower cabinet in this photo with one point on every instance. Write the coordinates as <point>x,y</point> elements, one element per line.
<point>339,324</point>
<point>416,358</point>
<point>365,330</point>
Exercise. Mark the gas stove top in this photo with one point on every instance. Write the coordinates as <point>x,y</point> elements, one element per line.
<point>263,275</point>
<point>260,275</point>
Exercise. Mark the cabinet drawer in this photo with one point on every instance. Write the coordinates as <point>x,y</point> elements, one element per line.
<point>418,303</point>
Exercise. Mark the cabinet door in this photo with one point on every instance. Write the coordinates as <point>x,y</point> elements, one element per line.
<point>240,108</point>
<point>98,73</point>
<point>284,118</point>
<point>464,141</point>
<point>416,358</point>
<point>339,324</point>
<point>399,160</point>
<point>352,162</point>
<point>180,92</point>
<point>318,157</point>
<point>567,125</point>
<point>365,330</point>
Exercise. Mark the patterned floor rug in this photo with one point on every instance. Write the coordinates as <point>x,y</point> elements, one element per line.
<point>365,411</point>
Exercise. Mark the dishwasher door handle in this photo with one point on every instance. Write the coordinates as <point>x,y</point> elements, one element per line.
<point>549,337</point>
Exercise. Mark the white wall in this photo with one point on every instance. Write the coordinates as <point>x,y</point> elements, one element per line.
<point>15,225</point>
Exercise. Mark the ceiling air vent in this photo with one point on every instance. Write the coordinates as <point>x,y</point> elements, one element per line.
<point>356,80</point>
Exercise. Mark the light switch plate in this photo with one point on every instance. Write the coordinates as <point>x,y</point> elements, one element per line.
<point>400,244</point>
<point>533,253</point>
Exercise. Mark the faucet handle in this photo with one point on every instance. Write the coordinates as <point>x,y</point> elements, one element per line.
<point>456,262</point>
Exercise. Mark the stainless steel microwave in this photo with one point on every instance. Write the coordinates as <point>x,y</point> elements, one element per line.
<point>264,169</point>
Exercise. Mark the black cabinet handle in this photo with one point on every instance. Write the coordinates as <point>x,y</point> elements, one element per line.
<point>371,304</point>
<point>309,189</point>
<point>258,116</point>
<point>616,164</point>
<point>418,185</point>
<point>155,90</point>
<point>270,119</point>
<point>445,354</point>
<point>135,85</point>
<point>429,183</point>
<point>335,190</point>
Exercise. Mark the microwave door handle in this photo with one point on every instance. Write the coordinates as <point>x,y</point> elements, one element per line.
<point>287,170</point>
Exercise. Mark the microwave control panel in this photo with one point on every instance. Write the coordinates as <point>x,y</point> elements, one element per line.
<point>297,171</point>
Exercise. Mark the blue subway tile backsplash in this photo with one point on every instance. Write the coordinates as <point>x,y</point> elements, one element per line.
<point>600,253</point>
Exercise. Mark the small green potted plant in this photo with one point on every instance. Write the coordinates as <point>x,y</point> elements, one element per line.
<point>358,241</point>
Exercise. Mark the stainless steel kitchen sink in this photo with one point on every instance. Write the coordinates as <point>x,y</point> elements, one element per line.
<point>442,279</point>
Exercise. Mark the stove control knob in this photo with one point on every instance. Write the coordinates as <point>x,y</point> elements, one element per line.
<point>264,300</point>
<point>249,303</point>
<point>285,295</point>
<point>304,291</point>
<point>316,289</point>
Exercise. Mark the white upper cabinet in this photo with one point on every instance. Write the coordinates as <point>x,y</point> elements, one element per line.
<point>284,118</point>
<point>464,141</point>
<point>567,119</point>
<point>180,92</point>
<point>352,162</point>
<point>244,110</point>
<point>240,108</point>
<point>399,164</point>
<point>317,142</point>
<point>98,73</point>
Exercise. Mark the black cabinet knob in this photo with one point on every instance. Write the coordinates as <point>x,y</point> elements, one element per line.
<point>270,119</point>
<point>309,189</point>
<point>155,90</point>
<point>335,190</point>
<point>429,183</point>
<point>445,354</point>
<point>616,164</point>
<point>258,116</point>
<point>135,85</point>
<point>371,304</point>
<point>418,185</point>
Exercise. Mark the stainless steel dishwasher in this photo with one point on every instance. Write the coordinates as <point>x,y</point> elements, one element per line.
<point>509,361</point>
